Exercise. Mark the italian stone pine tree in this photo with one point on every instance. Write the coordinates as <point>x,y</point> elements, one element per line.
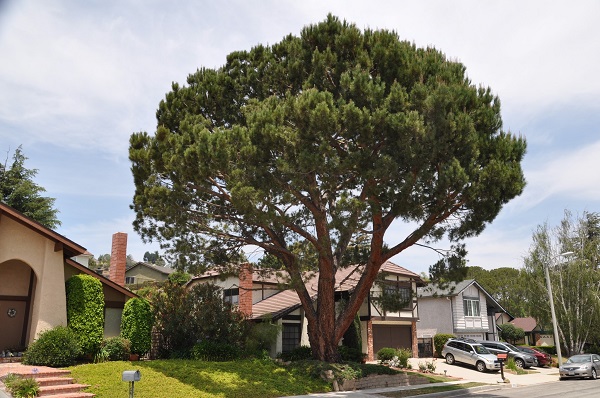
<point>317,145</point>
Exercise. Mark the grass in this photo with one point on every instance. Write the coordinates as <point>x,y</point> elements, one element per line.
<point>186,378</point>
<point>430,390</point>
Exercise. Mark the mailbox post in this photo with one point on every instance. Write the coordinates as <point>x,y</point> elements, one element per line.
<point>131,376</point>
<point>501,358</point>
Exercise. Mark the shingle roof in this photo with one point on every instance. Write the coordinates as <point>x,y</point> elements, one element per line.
<point>346,279</point>
<point>527,324</point>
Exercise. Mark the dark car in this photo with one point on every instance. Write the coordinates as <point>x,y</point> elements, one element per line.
<point>580,366</point>
<point>522,360</point>
<point>543,359</point>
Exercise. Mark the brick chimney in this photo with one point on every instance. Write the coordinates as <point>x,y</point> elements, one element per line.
<point>118,258</point>
<point>245,300</point>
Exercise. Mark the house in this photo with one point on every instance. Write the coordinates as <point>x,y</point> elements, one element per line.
<point>260,295</point>
<point>534,333</point>
<point>464,309</point>
<point>35,262</point>
<point>142,272</point>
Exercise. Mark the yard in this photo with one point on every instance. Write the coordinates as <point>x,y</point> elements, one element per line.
<point>186,378</point>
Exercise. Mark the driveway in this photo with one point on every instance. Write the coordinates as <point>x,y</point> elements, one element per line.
<point>534,376</point>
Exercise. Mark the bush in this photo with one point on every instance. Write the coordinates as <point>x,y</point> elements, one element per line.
<point>352,338</point>
<point>184,317</point>
<point>214,351</point>
<point>403,355</point>
<point>261,337</point>
<point>297,354</point>
<point>116,348</point>
<point>21,387</point>
<point>351,354</point>
<point>56,347</point>
<point>386,354</point>
<point>548,349</point>
<point>136,325</point>
<point>85,311</point>
<point>438,342</point>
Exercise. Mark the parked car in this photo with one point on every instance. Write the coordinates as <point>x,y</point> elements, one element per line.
<point>522,360</point>
<point>581,366</point>
<point>542,358</point>
<point>470,352</point>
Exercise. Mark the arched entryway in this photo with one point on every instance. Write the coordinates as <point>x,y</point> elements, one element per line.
<point>17,284</point>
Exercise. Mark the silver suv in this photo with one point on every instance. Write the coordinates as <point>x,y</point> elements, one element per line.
<point>522,359</point>
<point>470,352</point>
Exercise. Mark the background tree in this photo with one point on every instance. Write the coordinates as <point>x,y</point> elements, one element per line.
<point>18,190</point>
<point>575,279</point>
<point>506,285</point>
<point>315,145</point>
<point>511,333</point>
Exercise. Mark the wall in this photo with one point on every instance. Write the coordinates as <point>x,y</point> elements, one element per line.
<point>465,324</point>
<point>144,274</point>
<point>436,313</point>
<point>18,242</point>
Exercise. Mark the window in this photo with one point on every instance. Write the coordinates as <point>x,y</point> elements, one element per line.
<point>129,280</point>
<point>290,336</point>
<point>395,297</point>
<point>471,307</point>
<point>231,296</point>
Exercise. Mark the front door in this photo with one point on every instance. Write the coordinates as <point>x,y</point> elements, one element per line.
<point>12,321</point>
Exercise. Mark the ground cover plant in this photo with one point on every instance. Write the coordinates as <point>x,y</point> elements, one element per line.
<point>188,378</point>
<point>178,378</point>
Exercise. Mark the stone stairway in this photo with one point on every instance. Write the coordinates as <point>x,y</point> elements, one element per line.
<point>54,383</point>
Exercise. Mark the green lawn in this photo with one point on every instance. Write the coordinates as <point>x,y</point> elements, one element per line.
<point>183,379</point>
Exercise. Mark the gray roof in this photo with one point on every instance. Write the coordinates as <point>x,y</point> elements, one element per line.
<point>452,289</point>
<point>157,268</point>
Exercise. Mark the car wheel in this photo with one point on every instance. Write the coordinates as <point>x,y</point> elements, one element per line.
<point>561,378</point>
<point>480,366</point>
<point>519,363</point>
<point>594,375</point>
<point>450,359</point>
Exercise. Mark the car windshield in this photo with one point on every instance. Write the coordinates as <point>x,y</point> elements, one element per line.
<point>481,349</point>
<point>579,359</point>
<point>511,347</point>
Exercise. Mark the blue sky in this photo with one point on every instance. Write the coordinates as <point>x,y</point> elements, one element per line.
<point>78,77</point>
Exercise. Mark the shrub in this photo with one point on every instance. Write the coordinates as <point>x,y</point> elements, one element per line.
<point>297,354</point>
<point>352,337</point>
<point>511,333</point>
<point>351,354</point>
<point>116,348</point>
<point>184,317</point>
<point>403,355</point>
<point>548,349</point>
<point>136,325</point>
<point>208,350</point>
<point>85,311</point>
<point>386,354</point>
<point>261,337</point>
<point>438,342</point>
<point>21,387</point>
<point>56,347</point>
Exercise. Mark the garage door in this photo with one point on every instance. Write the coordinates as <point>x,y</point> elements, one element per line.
<point>395,336</point>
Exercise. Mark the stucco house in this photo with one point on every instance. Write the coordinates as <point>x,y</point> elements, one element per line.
<point>35,262</point>
<point>143,272</point>
<point>260,295</point>
<point>464,309</point>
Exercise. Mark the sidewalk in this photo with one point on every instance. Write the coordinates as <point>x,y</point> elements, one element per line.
<point>464,374</point>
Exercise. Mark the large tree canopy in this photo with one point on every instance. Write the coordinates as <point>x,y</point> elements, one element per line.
<point>316,145</point>
<point>575,278</point>
<point>18,190</point>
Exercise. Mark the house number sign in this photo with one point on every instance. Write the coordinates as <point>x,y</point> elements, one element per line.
<point>11,312</point>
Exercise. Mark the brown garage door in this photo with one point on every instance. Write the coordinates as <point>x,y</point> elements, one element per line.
<point>395,336</point>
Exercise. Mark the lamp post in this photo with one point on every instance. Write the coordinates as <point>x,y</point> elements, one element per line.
<point>551,298</point>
